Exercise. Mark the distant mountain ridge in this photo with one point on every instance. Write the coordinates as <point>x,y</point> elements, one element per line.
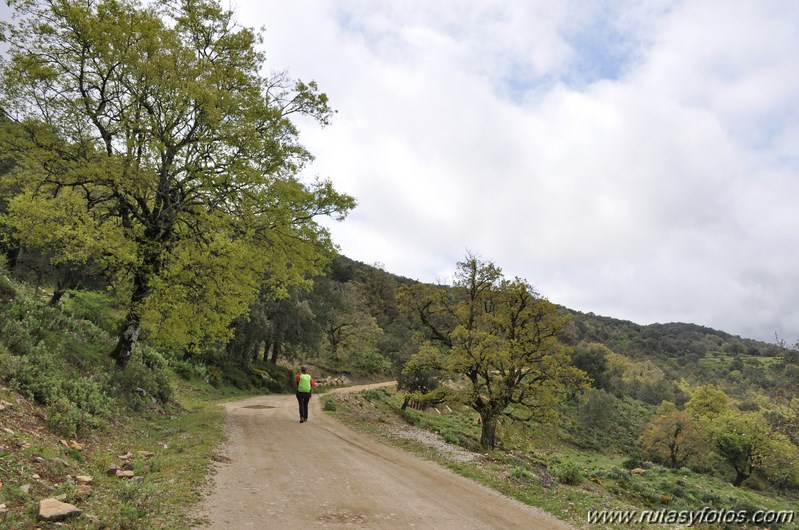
<point>663,340</point>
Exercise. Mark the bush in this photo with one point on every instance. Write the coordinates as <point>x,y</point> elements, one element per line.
<point>145,381</point>
<point>63,417</point>
<point>521,473</point>
<point>635,460</point>
<point>18,334</point>
<point>368,363</point>
<point>36,375</point>
<point>597,409</point>
<point>190,370</point>
<point>94,306</point>
<point>9,364</point>
<point>568,473</point>
<point>87,394</point>
<point>7,291</point>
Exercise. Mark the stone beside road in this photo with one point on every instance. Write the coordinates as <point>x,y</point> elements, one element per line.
<point>55,510</point>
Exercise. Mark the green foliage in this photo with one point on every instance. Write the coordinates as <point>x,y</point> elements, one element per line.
<point>38,375</point>
<point>7,291</point>
<point>618,433</point>
<point>74,405</point>
<point>673,439</point>
<point>33,364</point>
<point>708,401</point>
<point>568,473</point>
<point>747,444</point>
<point>276,378</point>
<point>184,220</point>
<point>329,405</point>
<point>597,409</point>
<point>501,337</point>
<point>591,358</point>
<point>366,363</point>
<point>136,497</point>
<point>521,473</point>
<point>189,369</point>
<point>422,373</point>
<point>63,417</point>
<point>146,382</point>
<point>96,306</point>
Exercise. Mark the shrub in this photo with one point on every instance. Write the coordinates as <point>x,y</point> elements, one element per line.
<point>368,363</point>
<point>7,291</point>
<point>9,364</point>
<point>597,409</point>
<point>95,306</point>
<point>412,417</point>
<point>617,473</point>
<point>450,437</point>
<point>145,382</point>
<point>36,375</point>
<point>568,473</point>
<point>63,417</point>
<point>520,473</point>
<point>88,395</point>
<point>190,370</point>
<point>17,334</point>
<point>635,460</point>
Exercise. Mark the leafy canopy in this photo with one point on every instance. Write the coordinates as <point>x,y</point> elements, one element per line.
<point>502,337</point>
<point>146,133</point>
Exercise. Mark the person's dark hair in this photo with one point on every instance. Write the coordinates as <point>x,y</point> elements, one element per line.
<point>303,369</point>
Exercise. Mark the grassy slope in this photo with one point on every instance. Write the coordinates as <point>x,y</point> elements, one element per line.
<point>101,417</point>
<point>182,443</point>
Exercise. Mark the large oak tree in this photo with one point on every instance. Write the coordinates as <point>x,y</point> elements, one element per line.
<point>502,337</point>
<point>154,125</point>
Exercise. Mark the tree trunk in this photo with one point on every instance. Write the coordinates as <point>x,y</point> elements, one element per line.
<point>57,294</point>
<point>673,455</point>
<point>127,341</point>
<point>742,473</point>
<point>129,335</point>
<point>275,353</point>
<point>13,255</point>
<point>278,337</point>
<point>269,346</point>
<point>489,432</point>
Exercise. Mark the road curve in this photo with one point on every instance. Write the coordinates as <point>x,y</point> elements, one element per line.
<point>321,474</point>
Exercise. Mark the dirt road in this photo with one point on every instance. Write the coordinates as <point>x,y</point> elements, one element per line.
<point>321,474</point>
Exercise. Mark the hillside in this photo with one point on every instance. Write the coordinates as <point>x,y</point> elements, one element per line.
<point>61,390</point>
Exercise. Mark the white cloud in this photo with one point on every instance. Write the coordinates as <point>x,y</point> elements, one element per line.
<point>635,159</point>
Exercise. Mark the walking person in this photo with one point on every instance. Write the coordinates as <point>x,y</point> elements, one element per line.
<point>305,385</point>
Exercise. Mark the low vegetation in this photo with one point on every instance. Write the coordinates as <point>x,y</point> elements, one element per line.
<point>67,413</point>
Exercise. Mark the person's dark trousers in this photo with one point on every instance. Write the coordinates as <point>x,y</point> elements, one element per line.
<point>303,398</point>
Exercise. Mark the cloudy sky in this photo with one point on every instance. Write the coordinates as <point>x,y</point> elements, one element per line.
<point>636,159</point>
